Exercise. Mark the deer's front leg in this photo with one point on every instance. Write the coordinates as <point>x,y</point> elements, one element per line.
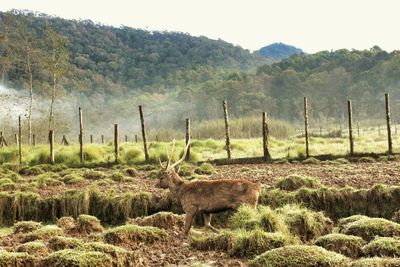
<point>190,213</point>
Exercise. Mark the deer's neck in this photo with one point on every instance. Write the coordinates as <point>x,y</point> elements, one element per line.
<point>176,185</point>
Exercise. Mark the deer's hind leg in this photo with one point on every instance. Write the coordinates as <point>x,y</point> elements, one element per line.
<point>207,222</point>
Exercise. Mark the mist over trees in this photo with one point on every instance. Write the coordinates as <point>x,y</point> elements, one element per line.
<point>110,71</point>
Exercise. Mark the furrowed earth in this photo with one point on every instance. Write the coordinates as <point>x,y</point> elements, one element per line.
<point>329,213</point>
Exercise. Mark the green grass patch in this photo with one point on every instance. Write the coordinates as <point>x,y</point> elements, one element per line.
<point>347,245</point>
<point>71,257</point>
<point>131,234</point>
<point>383,247</point>
<point>293,182</point>
<point>368,228</point>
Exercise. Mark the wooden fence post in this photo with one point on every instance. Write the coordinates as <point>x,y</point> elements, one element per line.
<point>33,140</point>
<point>228,141</point>
<point>265,132</point>
<point>350,115</point>
<point>116,145</point>
<point>126,138</point>
<point>143,125</point>
<point>2,140</point>
<point>136,139</point>
<point>91,138</point>
<point>19,139</point>
<point>306,126</point>
<point>16,139</point>
<point>389,131</point>
<point>80,135</point>
<point>51,139</point>
<point>187,139</point>
<point>102,139</point>
<point>157,138</point>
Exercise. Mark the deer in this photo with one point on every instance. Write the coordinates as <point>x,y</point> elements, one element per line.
<point>207,196</point>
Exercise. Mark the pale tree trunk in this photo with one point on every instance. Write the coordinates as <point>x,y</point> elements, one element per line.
<point>53,98</point>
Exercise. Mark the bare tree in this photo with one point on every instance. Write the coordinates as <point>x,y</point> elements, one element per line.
<point>56,63</point>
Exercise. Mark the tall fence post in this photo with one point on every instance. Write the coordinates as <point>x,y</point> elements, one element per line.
<point>350,115</point>
<point>389,131</point>
<point>116,143</point>
<point>91,138</point>
<point>80,135</point>
<point>126,138</point>
<point>146,153</point>
<point>306,126</point>
<point>102,139</point>
<point>33,140</point>
<point>265,132</point>
<point>228,140</point>
<point>136,139</point>
<point>51,139</point>
<point>19,139</point>
<point>187,139</point>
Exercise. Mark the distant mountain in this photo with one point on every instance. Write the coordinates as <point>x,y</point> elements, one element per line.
<point>278,51</point>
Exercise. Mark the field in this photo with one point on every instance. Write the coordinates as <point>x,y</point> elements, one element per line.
<point>103,213</point>
<point>305,216</point>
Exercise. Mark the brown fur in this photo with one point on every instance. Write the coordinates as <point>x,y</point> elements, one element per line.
<point>209,196</point>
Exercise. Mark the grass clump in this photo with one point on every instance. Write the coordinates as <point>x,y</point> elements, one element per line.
<point>120,256</point>
<point>73,179</point>
<point>16,259</point>
<point>366,159</point>
<point>132,172</point>
<point>61,242</point>
<point>263,217</point>
<point>34,170</point>
<point>376,262</point>
<point>44,233</point>
<point>299,255</point>
<point>133,156</point>
<point>205,168</point>
<point>293,182</point>
<point>344,221</point>
<point>163,220</point>
<point>241,243</point>
<point>311,160</point>
<point>26,226</point>
<point>66,223</point>
<point>36,248</point>
<point>383,247</point>
<point>347,245</point>
<point>368,228</point>
<point>86,224</point>
<point>94,175</point>
<point>131,234</point>
<point>77,258</point>
<point>304,223</point>
<point>117,176</point>
<point>186,170</point>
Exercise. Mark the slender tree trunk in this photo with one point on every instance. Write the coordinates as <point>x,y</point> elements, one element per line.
<point>53,98</point>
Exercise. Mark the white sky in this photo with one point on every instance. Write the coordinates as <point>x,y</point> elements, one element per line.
<point>312,25</point>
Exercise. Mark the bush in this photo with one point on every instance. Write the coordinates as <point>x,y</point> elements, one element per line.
<point>293,182</point>
<point>300,255</point>
<point>368,228</point>
<point>383,247</point>
<point>347,245</point>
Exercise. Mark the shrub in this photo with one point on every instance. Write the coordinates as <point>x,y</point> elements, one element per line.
<point>300,255</point>
<point>383,247</point>
<point>368,228</point>
<point>347,245</point>
<point>293,182</point>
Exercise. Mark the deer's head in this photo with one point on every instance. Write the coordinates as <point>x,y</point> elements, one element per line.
<point>168,177</point>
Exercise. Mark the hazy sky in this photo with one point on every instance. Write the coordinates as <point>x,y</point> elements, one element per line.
<point>312,25</point>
